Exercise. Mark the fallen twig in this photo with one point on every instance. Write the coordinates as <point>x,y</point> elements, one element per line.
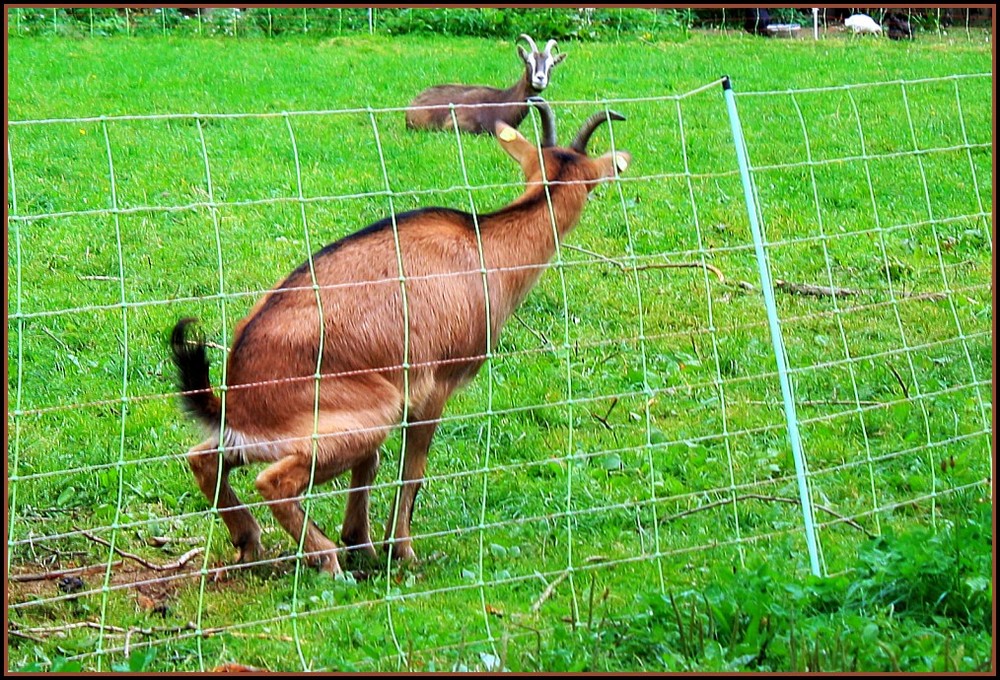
<point>48,630</point>
<point>17,633</point>
<point>52,575</point>
<point>538,334</point>
<point>250,636</point>
<point>795,501</point>
<point>773,499</point>
<point>58,553</point>
<point>177,564</point>
<point>182,560</point>
<point>652,265</point>
<point>603,258</point>
<point>190,625</point>
<point>126,648</point>
<point>59,340</point>
<point>817,291</point>
<point>818,402</point>
<point>547,593</point>
<point>138,630</point>
<point>933,297</point>
<point>604,421</point>
<point>826,291</point>
<point>160,541</point>
<point>902,385</point>
<point>680,265</point>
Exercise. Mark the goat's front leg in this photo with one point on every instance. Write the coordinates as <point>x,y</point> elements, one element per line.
<point>419,433</point>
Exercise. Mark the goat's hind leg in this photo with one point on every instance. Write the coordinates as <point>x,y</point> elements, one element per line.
<point>213,480</point>
<point>282,485</point>
<point>356,533</point>
<point>345,441</point>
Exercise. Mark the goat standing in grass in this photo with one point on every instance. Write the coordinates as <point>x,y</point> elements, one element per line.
<point>509,106</point>
<point>899,27</point>
<point>315,377</point>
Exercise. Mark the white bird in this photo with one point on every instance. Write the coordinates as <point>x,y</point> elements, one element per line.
<point>862,23</point>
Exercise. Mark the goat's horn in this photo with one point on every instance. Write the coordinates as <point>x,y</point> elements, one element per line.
<point>580,143</point>
<point>548,46</point>
<point>548,120</point>
<point>531,43</point>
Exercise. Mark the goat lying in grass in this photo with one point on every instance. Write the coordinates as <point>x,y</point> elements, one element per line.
<point>315,377</point>
<point>509,106</point>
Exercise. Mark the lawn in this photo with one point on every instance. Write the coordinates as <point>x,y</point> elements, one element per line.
<point>615,491</point>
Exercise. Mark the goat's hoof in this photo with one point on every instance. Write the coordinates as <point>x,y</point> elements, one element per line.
<point>361,555</point>
<point>325,562</point>
<point>358,546</point>
<point>403,553</point>
<point>249,551</point>
<point>360,574</point>
<point>331,566</point>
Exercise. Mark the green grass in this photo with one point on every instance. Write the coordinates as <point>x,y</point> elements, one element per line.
<point>608,450</point>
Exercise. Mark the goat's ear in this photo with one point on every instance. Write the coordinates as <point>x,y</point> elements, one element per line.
<point>559,58</point>
<point>514,143</point>
<point>613,164</point>
<point>524,55</point>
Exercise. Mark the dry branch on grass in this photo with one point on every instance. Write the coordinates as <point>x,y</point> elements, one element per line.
<point>684,265</point>
<point>59,573</point>
<point>551,588</point>
<point>161,541</point>
<point>547,593</point>
<point>176,564</point>
<point>130,632</point>
<point>769,499</point>
<point>827,291</point>
<point>74,571</point>
<point>652,265</point>
<point>933,297</point>
<point>538,334</point>
<point>817,402</point>
<point>806,289</point>
<point>817,291</point>
<point>603,420</point>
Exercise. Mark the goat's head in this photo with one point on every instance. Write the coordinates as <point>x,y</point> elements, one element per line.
<point>539,64</point>
<point>569,164</point>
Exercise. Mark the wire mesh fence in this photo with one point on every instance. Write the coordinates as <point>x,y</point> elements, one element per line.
<point>952,23</point>
<point>628,424</point>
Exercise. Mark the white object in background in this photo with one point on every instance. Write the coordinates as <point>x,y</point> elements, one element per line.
<point>815,23</point>
<point>862,23</point>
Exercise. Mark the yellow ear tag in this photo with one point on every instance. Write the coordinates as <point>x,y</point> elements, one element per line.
<point>508,134</point>
<point>621,162</point>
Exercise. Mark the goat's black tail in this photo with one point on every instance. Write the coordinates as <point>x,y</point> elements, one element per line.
<point>197,398</point>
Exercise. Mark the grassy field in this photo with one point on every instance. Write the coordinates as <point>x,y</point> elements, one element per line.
<point>615,491</point>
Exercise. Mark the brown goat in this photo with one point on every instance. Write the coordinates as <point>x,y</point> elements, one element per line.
<point>315,378</point>
<point>509,106</point>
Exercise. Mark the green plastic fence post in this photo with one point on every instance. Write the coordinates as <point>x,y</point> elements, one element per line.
<point>791,417</point>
